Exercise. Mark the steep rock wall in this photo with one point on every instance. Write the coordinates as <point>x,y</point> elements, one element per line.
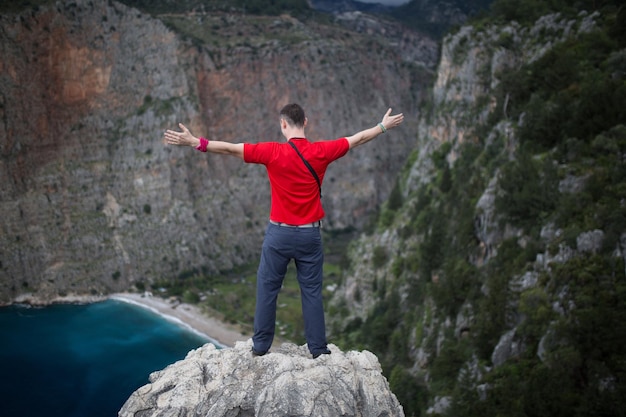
<point>471,62</point>
<point>389,260</point>
<point>92,202</point>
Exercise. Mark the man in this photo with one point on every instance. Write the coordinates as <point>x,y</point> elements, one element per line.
<point>296,171</point>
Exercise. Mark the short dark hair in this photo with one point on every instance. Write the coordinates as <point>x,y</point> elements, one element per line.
<point>294,114</point>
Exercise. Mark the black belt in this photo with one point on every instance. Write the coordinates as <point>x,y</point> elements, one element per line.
<point>312,224</point>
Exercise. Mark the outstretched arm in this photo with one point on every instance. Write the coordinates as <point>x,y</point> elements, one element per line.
<point>364,136</point>
<point>185,138</point>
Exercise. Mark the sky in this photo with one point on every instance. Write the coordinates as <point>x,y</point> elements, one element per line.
<point>386,2</point>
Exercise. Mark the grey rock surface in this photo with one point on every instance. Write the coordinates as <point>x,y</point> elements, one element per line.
<point>285,382</point>
<point>93,203</point>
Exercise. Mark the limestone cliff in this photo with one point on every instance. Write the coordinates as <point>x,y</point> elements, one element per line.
<point>90,199</point>
<point>285,382</point>
<point>452,291</point>
<point>471,65</point>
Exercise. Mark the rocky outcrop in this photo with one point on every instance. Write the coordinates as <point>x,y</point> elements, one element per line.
<point>471,62</point>
<point>470,107</point>
<point>286,382</point>
<point>91,202</point>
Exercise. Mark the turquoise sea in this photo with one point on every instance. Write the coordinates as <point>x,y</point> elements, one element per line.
<point>82,360</point>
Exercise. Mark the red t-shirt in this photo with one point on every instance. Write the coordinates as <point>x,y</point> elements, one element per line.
<point>295,195</point>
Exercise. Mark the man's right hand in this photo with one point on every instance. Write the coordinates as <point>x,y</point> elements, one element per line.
<point>184,138</point>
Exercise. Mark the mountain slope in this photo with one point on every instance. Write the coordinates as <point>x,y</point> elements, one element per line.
<point>91,200</point>
<point>494,280</point>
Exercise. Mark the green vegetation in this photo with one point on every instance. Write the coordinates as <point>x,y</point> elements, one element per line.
<point>529,190</point>
<point>233,293</point>
<point>177,13</point>
<point>416,15</point>
<point>222,30</point>
<point>14,6</point>
<point>258,7</point>
<point>528,11</point>
<point>570,92</point>
<point>568,173</point>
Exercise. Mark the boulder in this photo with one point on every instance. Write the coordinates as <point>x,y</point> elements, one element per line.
<point>232,382</point>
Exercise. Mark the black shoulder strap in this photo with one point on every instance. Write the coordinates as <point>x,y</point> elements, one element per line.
<point>319,185</point>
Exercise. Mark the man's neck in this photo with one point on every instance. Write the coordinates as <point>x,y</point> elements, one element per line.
<point>294,133</point>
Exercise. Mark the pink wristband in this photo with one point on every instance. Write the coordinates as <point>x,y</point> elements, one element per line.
<point>203,144</point>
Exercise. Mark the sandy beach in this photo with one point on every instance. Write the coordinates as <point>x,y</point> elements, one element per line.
<point>218,332</point>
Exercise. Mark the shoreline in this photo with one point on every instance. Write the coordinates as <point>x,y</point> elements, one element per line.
<point>189,316</point>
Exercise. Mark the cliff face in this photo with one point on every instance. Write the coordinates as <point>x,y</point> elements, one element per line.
<point>92,202</point>
<point>479,269</point>
<point>84,177</point>
<point>471,65</point>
